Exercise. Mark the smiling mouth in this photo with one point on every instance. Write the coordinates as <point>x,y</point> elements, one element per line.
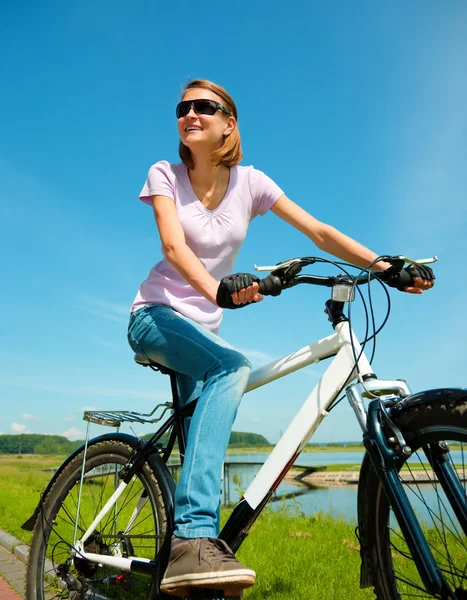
<point>188,129</point>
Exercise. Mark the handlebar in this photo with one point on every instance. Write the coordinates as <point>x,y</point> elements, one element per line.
<point>286,274</point>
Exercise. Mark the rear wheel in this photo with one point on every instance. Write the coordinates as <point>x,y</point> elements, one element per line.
<point>394,573</point>
<point>136,526</point>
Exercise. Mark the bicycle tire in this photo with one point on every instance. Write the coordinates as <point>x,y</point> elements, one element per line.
<point>394,574</point>
<point>54,528</point>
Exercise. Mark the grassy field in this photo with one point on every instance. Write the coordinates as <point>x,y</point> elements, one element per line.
<point>294,556</point>
<point>22,479</point>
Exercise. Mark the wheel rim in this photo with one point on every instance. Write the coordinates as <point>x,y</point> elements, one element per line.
<point>442,529</point>
<point>133,529</point>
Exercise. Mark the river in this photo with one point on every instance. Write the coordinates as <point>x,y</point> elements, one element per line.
<point>338,501</point>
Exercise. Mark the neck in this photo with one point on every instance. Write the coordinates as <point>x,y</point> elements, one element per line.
<point>205,173</point>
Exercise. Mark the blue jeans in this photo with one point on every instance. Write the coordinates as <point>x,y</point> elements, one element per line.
<point>211,369</point>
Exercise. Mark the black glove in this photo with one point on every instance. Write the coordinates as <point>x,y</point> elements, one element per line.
<point>229,285</point>
<point>405,278</point>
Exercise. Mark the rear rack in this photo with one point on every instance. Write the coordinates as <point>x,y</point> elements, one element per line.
<point>114,418</point>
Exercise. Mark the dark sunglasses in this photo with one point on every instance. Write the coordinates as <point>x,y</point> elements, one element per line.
<point>201,107</point>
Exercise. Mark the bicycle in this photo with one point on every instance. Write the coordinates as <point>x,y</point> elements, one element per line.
<point>102,527</point>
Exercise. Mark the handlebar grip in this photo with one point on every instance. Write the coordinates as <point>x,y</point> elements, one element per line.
<point>396,279</point>
<point>270,285</point>
<point>405,280</point>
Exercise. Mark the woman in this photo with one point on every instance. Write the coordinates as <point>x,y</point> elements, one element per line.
<point>202,209</point>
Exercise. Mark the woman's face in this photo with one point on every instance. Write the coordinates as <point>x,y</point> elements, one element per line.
<point>206,131</point>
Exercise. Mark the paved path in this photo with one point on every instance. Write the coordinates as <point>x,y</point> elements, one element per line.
<point>12,576</point>
<point>13,559</point>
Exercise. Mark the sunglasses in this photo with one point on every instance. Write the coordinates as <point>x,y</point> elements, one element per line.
<point>201,107</point>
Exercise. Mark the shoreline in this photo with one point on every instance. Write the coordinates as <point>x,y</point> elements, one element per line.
<point>307,449</point>
<point>343,478</point>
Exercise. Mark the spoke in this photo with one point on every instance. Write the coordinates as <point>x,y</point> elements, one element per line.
<point>448,542</point>
<point>104,487</point>
<point>71,519</point>
<point>58,530</point>
<point>111,516</point>
<point>435,549</point>
<point>411,583</point>
<point>127,500</point>
<point>142,521</point>
<point>71,496</point>
<point>442,535</point>
<point>419,496</point>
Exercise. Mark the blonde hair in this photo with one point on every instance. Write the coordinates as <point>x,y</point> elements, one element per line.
<point>230,153</point>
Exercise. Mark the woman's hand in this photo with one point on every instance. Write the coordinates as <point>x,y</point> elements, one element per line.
<point>247,295</point>
<point>238,290</point>
<point>422,279</point>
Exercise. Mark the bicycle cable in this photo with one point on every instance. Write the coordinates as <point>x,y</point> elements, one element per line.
<point>375,332</point>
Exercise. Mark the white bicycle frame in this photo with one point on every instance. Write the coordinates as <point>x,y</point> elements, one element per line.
<point>315,408</point>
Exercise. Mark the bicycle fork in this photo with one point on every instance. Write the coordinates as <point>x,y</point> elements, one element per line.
<point>384,460</point>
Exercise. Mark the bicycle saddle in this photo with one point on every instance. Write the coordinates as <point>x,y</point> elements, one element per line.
<point>142,360</point>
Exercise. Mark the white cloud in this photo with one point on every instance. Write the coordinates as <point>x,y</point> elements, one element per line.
<point>91,301</point>
<point>2,433</point>
<point>102,308</point>
<point>102,314</point>
<point>28,417</point>
<point>19,428</point>
<point>73,434</point>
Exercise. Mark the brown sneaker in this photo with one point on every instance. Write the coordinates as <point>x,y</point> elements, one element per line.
<point>204,563</point>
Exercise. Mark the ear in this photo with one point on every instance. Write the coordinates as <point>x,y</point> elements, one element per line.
<point>230,126</point>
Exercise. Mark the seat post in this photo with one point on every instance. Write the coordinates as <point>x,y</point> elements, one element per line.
<point>178,423</point>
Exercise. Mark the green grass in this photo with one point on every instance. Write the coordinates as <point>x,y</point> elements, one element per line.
<point>295,557</point>
<point>303,558</point>
<point>21,482</point>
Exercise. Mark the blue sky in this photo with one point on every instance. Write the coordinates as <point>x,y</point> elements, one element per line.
<point>358,110</point>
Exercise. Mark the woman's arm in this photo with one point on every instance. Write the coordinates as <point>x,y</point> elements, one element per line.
<point>184,259</point>
<point>331,240</point>
<point>177,252</point>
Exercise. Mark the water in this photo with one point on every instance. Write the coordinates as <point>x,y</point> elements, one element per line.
<point>340,502</point>
<point>307,459</point>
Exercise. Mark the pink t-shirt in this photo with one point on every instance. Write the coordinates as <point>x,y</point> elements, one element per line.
<point>215,236</point>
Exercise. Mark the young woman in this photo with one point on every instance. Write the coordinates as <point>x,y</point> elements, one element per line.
<point>203,207</point>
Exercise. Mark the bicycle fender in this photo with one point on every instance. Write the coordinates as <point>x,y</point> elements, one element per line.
<point>154,461</point>
<point>429,396</point>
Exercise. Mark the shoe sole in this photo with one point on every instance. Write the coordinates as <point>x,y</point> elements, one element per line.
<point>186,592</point>
<point>230,583</point>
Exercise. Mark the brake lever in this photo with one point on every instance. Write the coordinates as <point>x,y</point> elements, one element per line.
<point>419,261</point>
<point>279,266</point>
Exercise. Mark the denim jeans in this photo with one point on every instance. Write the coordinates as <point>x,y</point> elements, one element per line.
<point>215,372</point>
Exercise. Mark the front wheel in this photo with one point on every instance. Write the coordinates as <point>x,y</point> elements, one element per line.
<point>135,526</point>
<point>395,576</point>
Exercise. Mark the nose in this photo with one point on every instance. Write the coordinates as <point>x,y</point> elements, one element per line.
<point>191,112</point>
